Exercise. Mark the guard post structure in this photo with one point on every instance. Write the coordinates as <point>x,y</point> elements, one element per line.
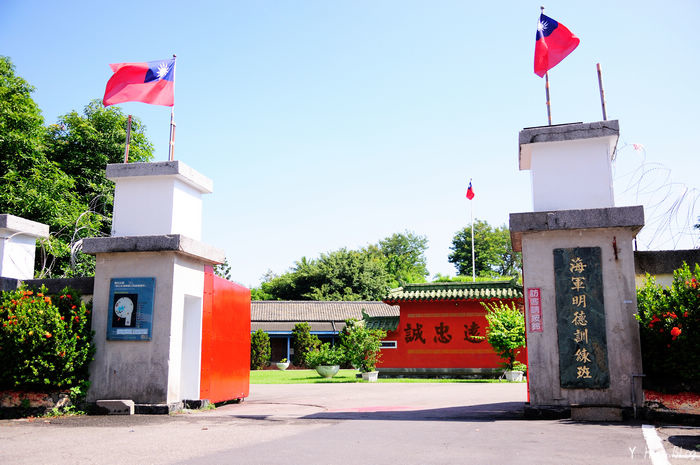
<point>149,288</point>
<point>18,246</point>
<point>578,274</point>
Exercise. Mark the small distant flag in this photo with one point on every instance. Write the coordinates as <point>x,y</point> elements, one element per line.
<point>553,43</point>
<point>470,191</point>
<point>151,82</point>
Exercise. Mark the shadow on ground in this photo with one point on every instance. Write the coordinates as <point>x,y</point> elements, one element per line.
<point>482,412</point>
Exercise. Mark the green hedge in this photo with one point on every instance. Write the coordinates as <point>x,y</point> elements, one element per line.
<point>670,331</point>
<point>45,340</point>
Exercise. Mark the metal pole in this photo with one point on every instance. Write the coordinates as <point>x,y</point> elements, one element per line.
<point>171,149</point>
<point>473,263</point>
<point>128,140</point>
<point>549,108</point>
<point>602,92</point>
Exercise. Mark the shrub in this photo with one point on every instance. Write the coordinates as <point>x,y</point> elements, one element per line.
<point>669,322</point>
<point>260,350</point>
<point>45,341</point>
<point>325,355</point>
<point>303,342</point>
<point>506,331</point>
<point>362,345</point>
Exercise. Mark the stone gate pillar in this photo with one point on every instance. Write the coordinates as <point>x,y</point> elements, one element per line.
<point>578,273</point>
<point>149,287</point>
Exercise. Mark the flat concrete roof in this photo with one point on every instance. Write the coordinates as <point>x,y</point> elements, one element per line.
<point>24,226</point>
<point>562,133</point>
<point>174,168</point>
<point>594,218</point>
<point>159,243</point>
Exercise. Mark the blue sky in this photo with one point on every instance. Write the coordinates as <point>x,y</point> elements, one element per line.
<point>335,124</point>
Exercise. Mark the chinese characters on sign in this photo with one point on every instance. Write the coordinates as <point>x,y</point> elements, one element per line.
<point>534,304</point>
<point>471,333</point>
<point>583,358</point>
<point>414,333</point>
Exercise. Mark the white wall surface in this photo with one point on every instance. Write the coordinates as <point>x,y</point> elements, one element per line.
<point>188,283</point>
<point>143,206</point>
<point>187,211</point>
<point>17,252</point>
<point>153,205</point>
<point>571,175</point>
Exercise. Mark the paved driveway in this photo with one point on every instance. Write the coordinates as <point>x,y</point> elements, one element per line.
<point>333,424</point>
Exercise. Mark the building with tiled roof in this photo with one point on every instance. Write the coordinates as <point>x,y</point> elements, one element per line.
<point>482,290</point>
<point>442,328</point>
<point>326,318</point>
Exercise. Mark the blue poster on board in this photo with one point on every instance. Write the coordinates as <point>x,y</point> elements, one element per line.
<point>130,309</point>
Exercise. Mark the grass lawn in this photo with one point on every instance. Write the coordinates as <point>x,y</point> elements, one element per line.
<point>343,376</point>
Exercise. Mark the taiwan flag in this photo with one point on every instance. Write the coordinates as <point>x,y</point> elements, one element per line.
<point>470,191</point>
<point>553,43</point>
<point>151,82</point>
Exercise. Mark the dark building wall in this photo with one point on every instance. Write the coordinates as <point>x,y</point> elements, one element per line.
<point>656,262</point>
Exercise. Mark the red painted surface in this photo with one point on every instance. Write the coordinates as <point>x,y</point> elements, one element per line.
<point>225,340</point>
<point>447,328</point>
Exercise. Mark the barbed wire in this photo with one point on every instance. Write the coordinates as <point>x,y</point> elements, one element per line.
<point>670,208</point>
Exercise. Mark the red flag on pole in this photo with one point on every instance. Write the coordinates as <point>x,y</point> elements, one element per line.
<point>470,191</point>
<point>151,82</point>
<point>554,42</point>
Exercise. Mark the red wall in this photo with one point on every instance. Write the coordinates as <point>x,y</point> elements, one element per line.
<point>443,330</point>
<point>225,340</point>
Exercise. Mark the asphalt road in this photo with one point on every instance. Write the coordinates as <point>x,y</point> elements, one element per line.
<point>345,424</point>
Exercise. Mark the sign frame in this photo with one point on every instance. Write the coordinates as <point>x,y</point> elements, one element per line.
<point>534,308</point>
<point>130,309</point>
<point>581,325</point>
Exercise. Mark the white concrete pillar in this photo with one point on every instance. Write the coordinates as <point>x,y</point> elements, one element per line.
<point>578,263</point>
<point>18,246</point>
<point>155,243</point>
<point>157,198</point>
<point>570,165</point>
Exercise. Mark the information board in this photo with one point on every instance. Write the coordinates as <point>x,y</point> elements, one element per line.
<point>130,309</point>
<point>583,355</point>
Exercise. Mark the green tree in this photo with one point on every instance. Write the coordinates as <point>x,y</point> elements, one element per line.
<point>405,257</point>
<point>260,350</point>
<point>56,175</point>
<point>506,331</point>
<point>31,186</point>
<point>339,275</point>
<point>365,274</point>
<point>494,255</point>
<point>302,342</point>
<point>83,144</point>
<point>223,270</point>
<point>361,345</point>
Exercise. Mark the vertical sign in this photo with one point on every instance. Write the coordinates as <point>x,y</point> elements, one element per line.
<point>583,355</point>
<point>534,305</point>
<point>130,309</point>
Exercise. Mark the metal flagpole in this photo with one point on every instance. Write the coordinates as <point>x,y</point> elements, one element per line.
<point>171,151</point>
<point>128,140</point>
<point>546,87</point>
<point>602,92</point>
<point>549,107</point>
<point>473,255</point>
